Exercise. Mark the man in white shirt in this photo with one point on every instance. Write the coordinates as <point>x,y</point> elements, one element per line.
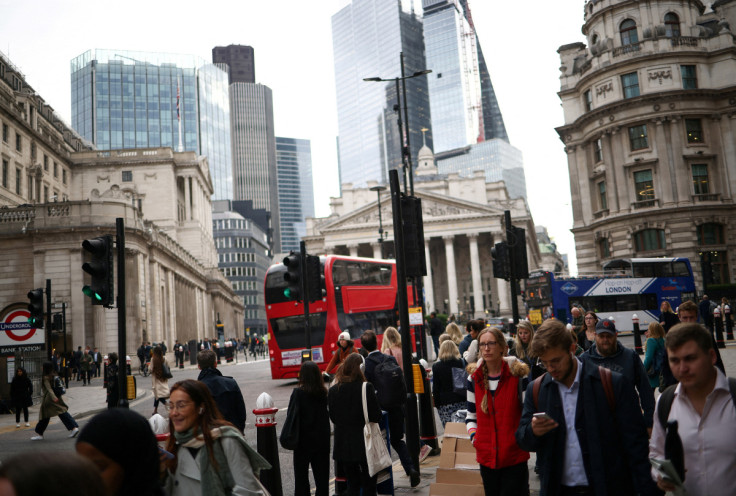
<point>705,412</point>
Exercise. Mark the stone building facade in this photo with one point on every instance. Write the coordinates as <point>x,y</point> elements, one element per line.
<point>463,218</point>
<point>650,133</point>
<point>56,191</point>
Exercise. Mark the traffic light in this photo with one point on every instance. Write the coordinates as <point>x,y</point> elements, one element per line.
<point>35,307</point>
<point>293,276</point>
<point>101,289</point>
<point>521,267</point>
<point>500,254</point>
<point>315,279</point>
<point>411,218</point>
<point>58,324</point>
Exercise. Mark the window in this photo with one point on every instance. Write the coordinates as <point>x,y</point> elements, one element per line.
<point>5,133</point>
<point>672,25</point>
<point>710,234</point>
<point>643,185</point>
<point>56,169</point>
<point>630,84</point>
<point>598,150</point>
<point>649,239</point>
<point>715,267</point>
<point>700,179</point>
<point>63,176</point>
<point>46,194</point>
<point>5,173</point>
<point>45,162</point>
<point>17,181</point>
<point>605,249</point>
<point>629,35</point>
<point>602,195</point>
<point>694,130</point>
<point>638,137</point>
<point>689,77</point>
<point>18,142</point>
<point>588,96</point>
<point>127,176</point>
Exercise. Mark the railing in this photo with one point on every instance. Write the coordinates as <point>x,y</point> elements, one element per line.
<point>631,48</point>
<point>706,197</point>
<point>690,41</point>
<point>645,203</point>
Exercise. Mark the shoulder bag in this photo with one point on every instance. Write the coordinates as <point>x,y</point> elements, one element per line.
<point>290,432</point>
<point>459,379</point>
<point>376,452</point>
<point>166,371</point>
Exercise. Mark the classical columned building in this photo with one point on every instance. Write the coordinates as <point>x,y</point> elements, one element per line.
<point>463,219</point>
<point>650,133</point>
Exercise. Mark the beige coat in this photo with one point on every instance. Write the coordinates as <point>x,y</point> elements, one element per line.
<point>49,407</point>
<point>160,388</point>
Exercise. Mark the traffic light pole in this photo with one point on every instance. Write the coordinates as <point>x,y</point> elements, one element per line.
<point>412,424</point>
<point>305,296</point>
<point>48,319</point>
<point>513,281</point>
<point>122,368</point>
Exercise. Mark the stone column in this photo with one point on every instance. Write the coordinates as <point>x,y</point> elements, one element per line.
<point>475,272</point>
<point>101,339</point>
<point>503,295</point>
<point>377,250</point>
<point>353,250</point>
<point>428,288</point>
<point>451,273</point>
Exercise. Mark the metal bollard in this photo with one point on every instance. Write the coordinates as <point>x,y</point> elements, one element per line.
<point>637,334</point>
<point>729,322</point>
<point>267,444</point>
<point>427,427</point>
<point>718,325</point>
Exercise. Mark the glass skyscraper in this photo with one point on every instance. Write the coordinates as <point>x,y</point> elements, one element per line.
<point>296,191</point>
<point>367,37</point>
<point>124,99</point>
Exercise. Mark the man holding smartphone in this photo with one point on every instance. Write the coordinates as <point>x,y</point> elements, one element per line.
<point>586,442</point>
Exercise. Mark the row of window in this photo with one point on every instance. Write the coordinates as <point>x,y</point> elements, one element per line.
<point>232,242</point>
<point>236,257</point>
<point>245,286</point>
<point>630,84</point>
<point>654,239</point>
<point>6,183</point>
<point>630,36</point>
<point>644,184</point>
<point>239,271</point>
<point>240,224</point>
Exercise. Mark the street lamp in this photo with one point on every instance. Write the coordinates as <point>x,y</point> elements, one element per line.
<point>405,145</point>
<point>378,189</point>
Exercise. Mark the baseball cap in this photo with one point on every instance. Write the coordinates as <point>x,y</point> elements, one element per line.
<point>605,325</point>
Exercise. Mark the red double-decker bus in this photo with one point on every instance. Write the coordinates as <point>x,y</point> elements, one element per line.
<point>360,295</point>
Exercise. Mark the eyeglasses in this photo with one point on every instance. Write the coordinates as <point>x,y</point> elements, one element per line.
<point>180,405</point>
<point>487,344</point>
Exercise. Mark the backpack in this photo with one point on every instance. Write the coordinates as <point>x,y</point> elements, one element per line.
<point>388,379</point>
<point>664,405</point>
<point>605,379</point>
<point>58,387</point>
<point>657,362</point>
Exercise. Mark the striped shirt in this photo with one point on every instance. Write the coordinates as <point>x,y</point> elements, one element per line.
<point>471,421</point>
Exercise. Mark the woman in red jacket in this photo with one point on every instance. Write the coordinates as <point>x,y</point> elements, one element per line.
<point>344,348</point>
<point>494,411</point>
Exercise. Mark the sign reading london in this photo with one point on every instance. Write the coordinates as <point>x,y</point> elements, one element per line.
<point>16,334</point>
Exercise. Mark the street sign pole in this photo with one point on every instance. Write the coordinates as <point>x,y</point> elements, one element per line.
<point>48,319</point>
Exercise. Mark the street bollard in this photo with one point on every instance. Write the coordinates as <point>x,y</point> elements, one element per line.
<point>267,445</point>
<point>729,322</point>
<point>637,334</point>
<point>427,427</point>
<point>718,325</point>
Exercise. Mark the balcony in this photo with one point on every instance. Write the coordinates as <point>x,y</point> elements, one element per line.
<point>708,197</point>
<point>600,213</point>
<point>631,48</point>
<point>645,204</point>
<point>687,41</point>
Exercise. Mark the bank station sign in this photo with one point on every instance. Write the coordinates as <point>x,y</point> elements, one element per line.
<point>16,334</point>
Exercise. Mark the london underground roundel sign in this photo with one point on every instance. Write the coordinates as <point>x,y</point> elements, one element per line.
<point>16,332</point>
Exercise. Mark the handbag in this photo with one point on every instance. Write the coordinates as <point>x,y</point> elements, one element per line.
<point>459,377</point>
<point>376,452</point>
<point>166,371</point>
<point>290,432</point>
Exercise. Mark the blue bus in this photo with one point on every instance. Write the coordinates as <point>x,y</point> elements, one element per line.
<point>625,287</point>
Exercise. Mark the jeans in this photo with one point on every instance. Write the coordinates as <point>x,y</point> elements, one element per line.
<point>396,434</point>
<point>18,406</point>
<point>507,481</point>
<point>320,471</point>
<point>65,418</point>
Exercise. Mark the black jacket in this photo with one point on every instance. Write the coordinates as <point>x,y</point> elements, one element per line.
<point>227,395</point>
<point>345,402</point>
<point>435,327</point>
<point>314,423</point>
<point>21,390</point>
<point>442,384</point>
<point>614,445</point>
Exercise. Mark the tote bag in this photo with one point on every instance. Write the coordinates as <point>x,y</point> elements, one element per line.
<point>290,432</point>
<point>376,451</point>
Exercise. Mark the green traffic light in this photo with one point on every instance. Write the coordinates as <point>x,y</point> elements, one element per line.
<point>89,292</point>
<point>287,293</point>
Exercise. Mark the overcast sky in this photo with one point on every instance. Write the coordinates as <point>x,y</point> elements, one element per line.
<point>293,52</point>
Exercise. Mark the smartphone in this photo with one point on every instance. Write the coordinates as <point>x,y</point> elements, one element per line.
<point>542,415</point>
<point>167,455</point>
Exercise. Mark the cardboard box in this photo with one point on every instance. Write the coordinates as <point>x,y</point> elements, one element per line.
<point>457,430</point>
<point>437,489</point>
<point>459,476</point>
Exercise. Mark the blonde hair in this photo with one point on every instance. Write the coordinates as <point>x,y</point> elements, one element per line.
<point>391,338</point>
<point>501,341</point>
<point>455,333</point>
<point>655,330</point>
<point>518,345</point>
<point>448,350</point>
<point>444,337</point>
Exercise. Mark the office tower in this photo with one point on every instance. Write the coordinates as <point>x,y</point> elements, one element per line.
<point>296,192</point>
<point>367,37</point>
<point>241,61</point>
<point>123,99</point>
<point>463,104</point>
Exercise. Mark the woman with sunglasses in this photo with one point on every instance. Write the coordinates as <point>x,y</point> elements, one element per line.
<point>210,455</point>
<point>494,410</point>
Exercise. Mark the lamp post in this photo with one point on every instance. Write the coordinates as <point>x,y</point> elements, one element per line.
<point>379,189</point>
<point>405,150</point>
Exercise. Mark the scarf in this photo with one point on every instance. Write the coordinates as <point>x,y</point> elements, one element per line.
<point>220,481</point>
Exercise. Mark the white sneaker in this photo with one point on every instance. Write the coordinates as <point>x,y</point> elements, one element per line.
<point>74,432</point>
<point>17,425</point>
<point>27,424</point>
<point>37,438</point>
